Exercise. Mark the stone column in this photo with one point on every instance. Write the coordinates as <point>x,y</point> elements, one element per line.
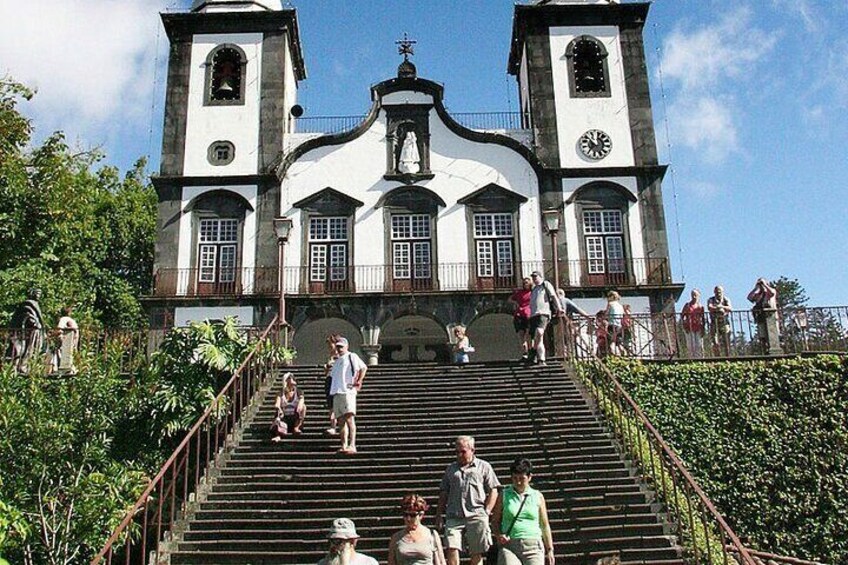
<point>372,352</point>
<point>772,336</point>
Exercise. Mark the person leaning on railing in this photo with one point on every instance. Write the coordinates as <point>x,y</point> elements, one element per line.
<point>693,322</point>
<point>719,307</point>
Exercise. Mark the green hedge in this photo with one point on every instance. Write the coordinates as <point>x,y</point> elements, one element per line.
<point>768,442</point>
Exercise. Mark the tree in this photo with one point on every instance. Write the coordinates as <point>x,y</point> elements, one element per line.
<point>804,328</point>
<point>790,293</point>
<point>82,234</point>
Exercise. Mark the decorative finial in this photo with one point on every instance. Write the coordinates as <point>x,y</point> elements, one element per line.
<point>405,46</point>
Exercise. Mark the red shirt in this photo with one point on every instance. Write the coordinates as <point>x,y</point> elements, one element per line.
<point>692,318</point>
<point>522,298</point>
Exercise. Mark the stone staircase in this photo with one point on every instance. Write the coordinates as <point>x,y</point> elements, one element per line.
<point>272,503</point>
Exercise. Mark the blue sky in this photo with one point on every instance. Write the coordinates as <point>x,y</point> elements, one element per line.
<point>754,99</point>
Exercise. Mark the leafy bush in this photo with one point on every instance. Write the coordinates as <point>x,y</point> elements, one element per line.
<point>76,452</point>
<point>768,442</point>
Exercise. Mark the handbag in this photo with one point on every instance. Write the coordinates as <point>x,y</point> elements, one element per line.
<point>438,552</point>
<point>492,552</point>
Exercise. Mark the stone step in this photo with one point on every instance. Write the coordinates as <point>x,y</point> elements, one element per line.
<point>272,502</point>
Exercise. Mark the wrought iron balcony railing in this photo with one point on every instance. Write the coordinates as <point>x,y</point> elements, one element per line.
<point>442,277</point>
<point>482,121</point>
<point>738,334</point>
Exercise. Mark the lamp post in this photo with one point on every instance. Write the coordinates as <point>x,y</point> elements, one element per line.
<point>282,227</point>
<point>551,219</point>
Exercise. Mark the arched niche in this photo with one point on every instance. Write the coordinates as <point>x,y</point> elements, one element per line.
<point>310,339</point>
<point>493,338</point>
<point>414,338</point>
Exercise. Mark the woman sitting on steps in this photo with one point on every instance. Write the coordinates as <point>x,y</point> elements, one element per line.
<point>291,410</point>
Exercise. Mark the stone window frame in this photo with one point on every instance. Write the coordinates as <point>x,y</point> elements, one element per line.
<point>217,204</point>
<point>572,80</point>
<point>207,83</point>
<point>600,196</point>
<point>496,268</point>
<point>330,245</point>
<point>493,199</point>
<point>411,201</point>
<point>211,153</point>
<point>327,203</point>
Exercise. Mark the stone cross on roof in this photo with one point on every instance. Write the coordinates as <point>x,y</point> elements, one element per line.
<point>405,46</point>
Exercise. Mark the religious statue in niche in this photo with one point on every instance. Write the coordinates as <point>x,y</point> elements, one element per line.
<point>409,158</point>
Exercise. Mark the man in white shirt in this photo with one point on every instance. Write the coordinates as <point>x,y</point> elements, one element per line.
<point>346,376</point>
<point>543,305</point>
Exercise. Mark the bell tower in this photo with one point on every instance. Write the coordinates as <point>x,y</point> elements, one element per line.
<point>233,73</point>
<point>584,92</point>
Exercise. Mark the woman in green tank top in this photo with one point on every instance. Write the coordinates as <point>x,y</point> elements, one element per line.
<point>520,521</point>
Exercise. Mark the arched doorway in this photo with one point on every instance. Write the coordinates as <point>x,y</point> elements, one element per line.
<point>310,339</point>
<point>414,338</point>
<point>493,338</point>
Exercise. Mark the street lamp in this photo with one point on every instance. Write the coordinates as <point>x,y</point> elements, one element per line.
<point>551,219</point>
<point>282,227</point>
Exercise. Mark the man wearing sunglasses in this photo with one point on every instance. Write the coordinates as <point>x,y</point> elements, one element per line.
<point>346,376</point>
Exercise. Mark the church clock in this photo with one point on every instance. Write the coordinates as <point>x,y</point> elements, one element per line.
<point>595,144</point>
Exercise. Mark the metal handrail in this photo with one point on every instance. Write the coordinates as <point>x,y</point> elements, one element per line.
<point>665,335</point>
<point>764,558</point>
<point>235,395</point>
<point>614,400</point>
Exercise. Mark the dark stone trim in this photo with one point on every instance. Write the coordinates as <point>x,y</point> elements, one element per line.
<point>331,192</point>
<point>219,193</point>
<point>638,90</point>
<point>176,108</point>
<point>207,80</point>
<point>272,102</point>
<point>542,100</point>
<point>529,20</point>
<point>210,153</point>
<point>181,26</point>
<point>409,178</point>
<point>608,185</point>
<point>495,190</point>
<point>572,83</point>
<point>385,199</point>
<point>651,171</point>
<point>167,180</point>
<point>419,85</point>
<point>287,160</point>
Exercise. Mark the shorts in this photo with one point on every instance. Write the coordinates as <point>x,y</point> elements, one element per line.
<point>539,322</point>
<point>344,403</point>
<point>522,552</point>
<point>471,533</point>
<point>520,324</point>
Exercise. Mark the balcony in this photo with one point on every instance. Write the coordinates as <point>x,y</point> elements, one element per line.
<point>480,121</point>
<point>444,277</point>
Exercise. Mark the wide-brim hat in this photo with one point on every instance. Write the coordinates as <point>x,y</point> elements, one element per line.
<point>342,528</point>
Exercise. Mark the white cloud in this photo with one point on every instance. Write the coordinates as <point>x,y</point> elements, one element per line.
<point>92,61</point>
<point>704,189</point>
<point>706,125</point>
<point>703,68</point>
<point>726,49</point>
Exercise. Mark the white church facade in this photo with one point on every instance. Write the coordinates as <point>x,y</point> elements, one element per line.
<point>411,221</point>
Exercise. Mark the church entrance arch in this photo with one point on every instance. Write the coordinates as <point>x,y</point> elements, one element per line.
<point>310,339</point>
<point>414,338</point>
<point>493,338</point>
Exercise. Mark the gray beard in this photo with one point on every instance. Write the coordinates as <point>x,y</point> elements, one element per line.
<point>343,558</point>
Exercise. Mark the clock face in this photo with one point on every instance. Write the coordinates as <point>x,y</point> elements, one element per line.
<point>595,144</point>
